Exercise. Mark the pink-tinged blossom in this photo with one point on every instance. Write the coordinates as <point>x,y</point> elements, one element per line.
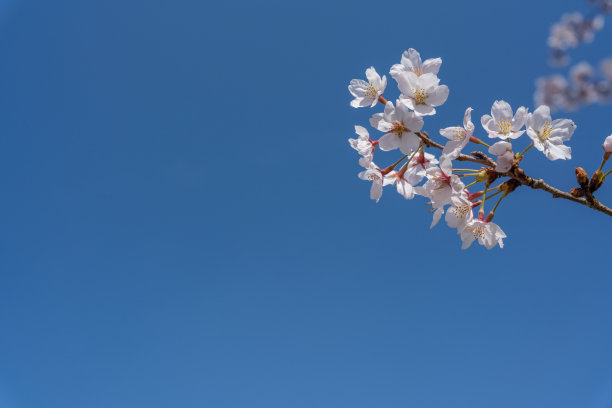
<point>502,123</point>
<point>373,174</point>
<point>363,145</point>
<point>548,136</point>
<point>411,62</point>
<point>607,144</point>
<point>487,233</point>
<point>459,136</point>
<point>421,93</point>
<point>505,157</point>
<point>367,93</point>
<point>400,124</point>
<point>418,166</point>
<point>404,188</point>
<point>441,185</point>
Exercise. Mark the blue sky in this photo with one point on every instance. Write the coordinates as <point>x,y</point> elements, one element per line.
<point>183,225</point>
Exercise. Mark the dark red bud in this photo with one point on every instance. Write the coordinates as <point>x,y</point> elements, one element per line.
<point>577,192</point>
<point>582,177</point>
<point>597,180</point>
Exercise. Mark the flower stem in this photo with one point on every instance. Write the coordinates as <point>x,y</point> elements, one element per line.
<point>484,198</point>
<point>605,159</point>
<point>498,201</point>
<point>471,184</point>
<point>494,194</point>
<point>520,156</point>
<point>405,166</point>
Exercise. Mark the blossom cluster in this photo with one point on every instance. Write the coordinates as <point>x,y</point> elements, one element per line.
<point>572,30</point>
<point>584,86</point>
<point>604,6</point>
<point>438,179</point>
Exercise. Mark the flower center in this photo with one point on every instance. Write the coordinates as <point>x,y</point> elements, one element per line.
<point>460,135</point>
<point>419,96</point>
<point>370,90</point>
<point>461,211</point>
<point>504,125</point>
<point>397,127</point>
<point>373,177</point>
<point>546,131</point>
<point>418,71</point>
<point>478,231</point>
<point>420,160</point>
<point>441,181</point>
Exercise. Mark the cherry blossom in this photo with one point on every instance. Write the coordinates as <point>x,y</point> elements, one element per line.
<point>459,213</point>
<point>488,234</point>
<point>502,123</point>
<point>421,93</point>
<point>418,165</point>
<point>495,172</point>
<point>459,136</point>
<point>403,185</point>
<point>505,157</point>
<point>400,124</point>
<point>441,185</point>
<point>548,136</point>
<point>367,93</point>
<point>363,145</point>
<point>372,173</point>
<point>411,62</point>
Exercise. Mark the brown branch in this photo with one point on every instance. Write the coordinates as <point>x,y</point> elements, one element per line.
<point>519,175</point>
<point>540,184</point>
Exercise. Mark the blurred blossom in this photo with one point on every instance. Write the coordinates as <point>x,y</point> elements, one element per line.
<point>604,6</point>
<point>584,86</point>
<point>573,30</point>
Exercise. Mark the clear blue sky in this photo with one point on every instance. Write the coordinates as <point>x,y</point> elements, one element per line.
<point>182,224</point>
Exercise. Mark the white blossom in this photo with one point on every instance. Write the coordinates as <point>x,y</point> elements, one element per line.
<point>459,136</point>
<point>502,123</point>
<point>487,233</point>
<point>400,124</point>
<point>505,157</point>
<point>421,93</point>
<point>367,93</point>
<point>411,62</point>
<point>548,136</point>
<point>372,173</point>
<point>460,212</point>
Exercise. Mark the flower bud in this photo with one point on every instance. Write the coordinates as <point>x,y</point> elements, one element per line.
<point>577,192</point>
<point>597,180</point>
<point>582,177</point>
<point>607,144</point>
<point>483,175</point>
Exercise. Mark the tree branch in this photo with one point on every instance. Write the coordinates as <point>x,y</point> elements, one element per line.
<point>519,175</point>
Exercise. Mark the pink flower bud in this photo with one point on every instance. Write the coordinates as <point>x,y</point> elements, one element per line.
<point>607,144</point>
